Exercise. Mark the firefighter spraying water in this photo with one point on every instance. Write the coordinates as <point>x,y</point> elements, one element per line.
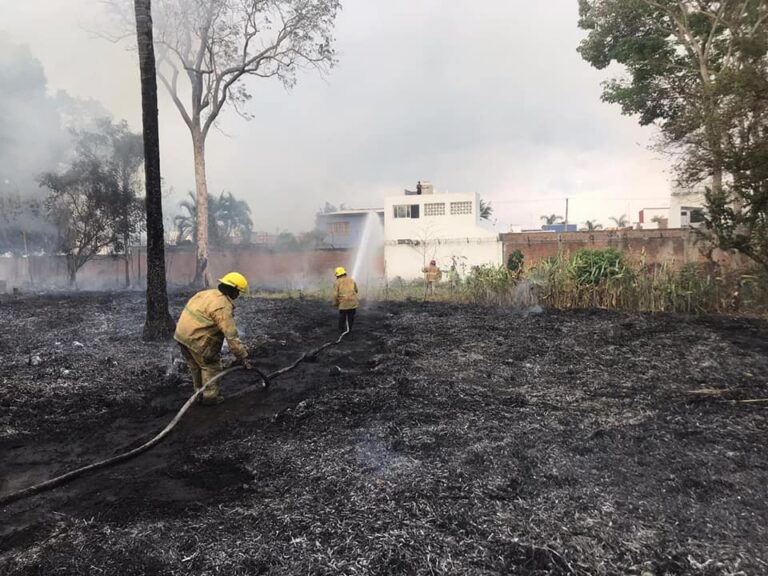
<point>345,298</point>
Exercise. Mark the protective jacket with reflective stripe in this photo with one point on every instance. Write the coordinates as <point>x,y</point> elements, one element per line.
<point>432,273</point>
<point>207,319</point>
<point>345,293</point>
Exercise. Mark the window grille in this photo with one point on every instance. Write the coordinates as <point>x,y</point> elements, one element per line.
<point>339,228</point>
<point>461,208</point>
<point>434,209</point>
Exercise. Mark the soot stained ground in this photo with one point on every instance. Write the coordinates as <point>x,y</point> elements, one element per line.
<point>437,439</point>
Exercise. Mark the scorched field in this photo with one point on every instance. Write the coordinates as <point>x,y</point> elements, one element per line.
<point>435,439</point>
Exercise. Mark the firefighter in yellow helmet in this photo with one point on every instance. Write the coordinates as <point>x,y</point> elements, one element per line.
<point>207,319</point>
<point>345,299</point>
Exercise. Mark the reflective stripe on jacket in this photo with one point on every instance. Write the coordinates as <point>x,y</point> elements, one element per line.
<point>207,319</point>
<point>345,294</point>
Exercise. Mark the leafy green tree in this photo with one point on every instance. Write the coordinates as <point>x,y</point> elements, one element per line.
<point>94,201</point>
<point>698,71</point>
<point>122,152</point>
<point>84,204</point>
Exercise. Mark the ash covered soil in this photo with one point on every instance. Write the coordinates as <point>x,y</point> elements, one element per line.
<point>436,439</point>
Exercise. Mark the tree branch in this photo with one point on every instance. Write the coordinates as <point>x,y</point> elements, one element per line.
<point>172,90</point>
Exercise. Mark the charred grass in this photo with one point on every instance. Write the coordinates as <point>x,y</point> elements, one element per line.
<point>439,439</point>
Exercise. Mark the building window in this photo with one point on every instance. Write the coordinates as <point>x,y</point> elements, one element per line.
<point>697,216</point>
<point>406,210</point>
<point>434,209</point>
<point>339,228</point>
<point>461,208</point>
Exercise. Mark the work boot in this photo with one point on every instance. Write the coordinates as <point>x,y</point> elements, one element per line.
<point>215,401</point>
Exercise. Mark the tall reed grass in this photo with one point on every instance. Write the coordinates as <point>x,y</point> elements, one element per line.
<point>607,279</point>
<point>604,279</point>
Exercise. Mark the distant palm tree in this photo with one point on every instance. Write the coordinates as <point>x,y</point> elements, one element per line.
<point>227,217</point>
<point>486,210</point>
<point>621,221</point>
<point>551,219</point>
<point>591,226</point>
<point>233,217</point>
<point>185,223</point>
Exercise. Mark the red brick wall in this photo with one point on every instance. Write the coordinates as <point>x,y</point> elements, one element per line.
<point>262,268</point>
<point>670,245</point>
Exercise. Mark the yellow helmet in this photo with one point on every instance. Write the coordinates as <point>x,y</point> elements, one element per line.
<point>236,280</point>
<point>340,271</point>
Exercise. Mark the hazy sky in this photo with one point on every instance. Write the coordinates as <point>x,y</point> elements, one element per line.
<point>487,96</point>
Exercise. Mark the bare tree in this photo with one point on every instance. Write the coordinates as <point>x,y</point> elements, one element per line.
<point>159,324</point>
<point>214,45</point>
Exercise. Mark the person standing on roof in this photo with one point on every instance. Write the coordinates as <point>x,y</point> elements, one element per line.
<point>345,299</point>
<point>207,319</point>
<point>432,274</point>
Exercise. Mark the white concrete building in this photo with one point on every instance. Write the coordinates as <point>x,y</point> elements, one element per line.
<point>686,208</point>
<point>653,218</point>
<point>443,227</point>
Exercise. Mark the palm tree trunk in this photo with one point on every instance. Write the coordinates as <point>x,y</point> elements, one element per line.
<point>159,324</point>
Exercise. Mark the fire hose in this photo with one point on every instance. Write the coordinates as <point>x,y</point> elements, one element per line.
<point>73,474</point>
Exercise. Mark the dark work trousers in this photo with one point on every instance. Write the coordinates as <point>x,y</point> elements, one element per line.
<point>344,317</point>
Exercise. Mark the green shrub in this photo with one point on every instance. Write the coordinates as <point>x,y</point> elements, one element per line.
<point>489,284</point>
<point>515,261</point>
<point>590,267</point>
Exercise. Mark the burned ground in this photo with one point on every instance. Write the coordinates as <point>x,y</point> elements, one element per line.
<point>436,440</point>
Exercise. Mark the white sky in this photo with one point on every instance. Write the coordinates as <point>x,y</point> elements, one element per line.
<point>487,96</point>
